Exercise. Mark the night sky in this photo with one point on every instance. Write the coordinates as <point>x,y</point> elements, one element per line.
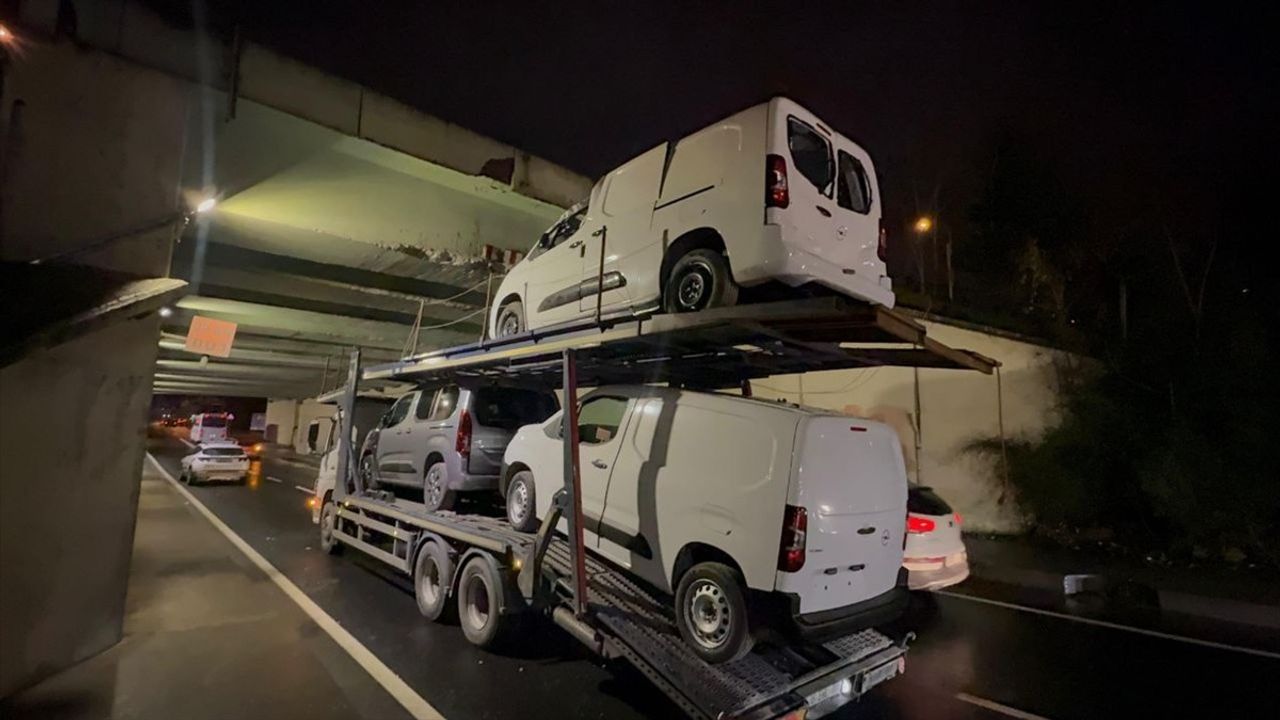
<point>1121,100</point>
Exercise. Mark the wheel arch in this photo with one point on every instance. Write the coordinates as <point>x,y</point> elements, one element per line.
<point>509,472</point>
<point>697,239</point>
<point>699,552</point>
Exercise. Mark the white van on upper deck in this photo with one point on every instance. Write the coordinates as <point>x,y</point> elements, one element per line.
<point>771,193</point>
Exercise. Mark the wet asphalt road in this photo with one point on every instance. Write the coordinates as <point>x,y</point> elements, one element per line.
<point>971,659</point>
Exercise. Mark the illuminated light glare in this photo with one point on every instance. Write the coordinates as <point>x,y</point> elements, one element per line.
<point>924,224</point>
<point>846,686</point>
<point>166,311</point>
<point>5,35</point>
<point>206,205</point>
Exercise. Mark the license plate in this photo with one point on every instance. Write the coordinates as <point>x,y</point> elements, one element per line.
<point>887,671</point>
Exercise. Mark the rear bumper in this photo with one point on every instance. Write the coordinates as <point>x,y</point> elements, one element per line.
<point>879,610</point>
<point>935,576</point>
<point>776,259</point>
<point>466,482</point>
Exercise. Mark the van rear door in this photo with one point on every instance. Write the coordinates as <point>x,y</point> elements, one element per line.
<point>810,171</point>
<point>850,478</point>
<point>856,215</point>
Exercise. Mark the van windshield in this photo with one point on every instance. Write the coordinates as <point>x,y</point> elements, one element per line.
<point>512,408</point>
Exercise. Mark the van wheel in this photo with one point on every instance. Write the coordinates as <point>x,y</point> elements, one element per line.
<point>436,494</point>
<point>432,577</point>
<point>328,521</point>
<point>711,612</point>
<point>520,502</point>
<point>510,320</point>
<point>699,280</point>
<point>481,602</point>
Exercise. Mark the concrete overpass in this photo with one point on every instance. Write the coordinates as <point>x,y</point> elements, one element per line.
<point>341,213</point>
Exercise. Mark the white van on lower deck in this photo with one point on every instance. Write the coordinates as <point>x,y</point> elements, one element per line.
<point>768,194</point>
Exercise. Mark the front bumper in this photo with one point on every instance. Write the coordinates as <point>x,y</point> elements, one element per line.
<point>935,573</point>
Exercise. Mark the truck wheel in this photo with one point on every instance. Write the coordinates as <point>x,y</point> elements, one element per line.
<point>521,508</point>
<point>711,612</point>
<point>436,494</point>
<point>328,521</point>
<point>432,577</point>
<point>699,280</point>
<point>481,602</point>
<point>510,320</point>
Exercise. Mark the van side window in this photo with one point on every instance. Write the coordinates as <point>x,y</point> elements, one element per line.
<point>399,411</point>
<point>811,154</point>
<point>422,410</point>
<point>853,190</point>
<point>599,419</point>
<point>446,402</point>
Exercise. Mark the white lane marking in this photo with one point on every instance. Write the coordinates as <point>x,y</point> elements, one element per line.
<point>414,703</point>
<point>1113,626</point>
<point>303,488</point>
<point>274,479</point>
<point>997,707</point>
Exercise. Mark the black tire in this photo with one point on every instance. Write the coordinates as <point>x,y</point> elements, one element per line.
<point>436,494</point>
<point>521,502</point>
<point>369,472</point>
<point>481,602</point>
<point>328,520</point>
<point>510,320</point>
<point>244,480</point>
<point>711,612</point>
<point>699,280</point>
<point>432,578</point>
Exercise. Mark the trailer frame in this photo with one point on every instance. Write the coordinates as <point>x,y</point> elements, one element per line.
<point>615,615</point>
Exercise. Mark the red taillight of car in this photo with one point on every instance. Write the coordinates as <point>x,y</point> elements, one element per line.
<point>882,246</point>
<point>776,192</point>
<point>463,445</point>
<point>957,519</point>
<point>917,525</point>
<point>795,526</point>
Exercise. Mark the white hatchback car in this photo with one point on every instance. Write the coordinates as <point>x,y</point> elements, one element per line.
<point>732,505</point>
<point>935,556</point>
<point>219,460</point>
<point>769,194</point>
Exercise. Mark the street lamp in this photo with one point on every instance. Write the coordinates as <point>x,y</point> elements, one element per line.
<point>923,224</point>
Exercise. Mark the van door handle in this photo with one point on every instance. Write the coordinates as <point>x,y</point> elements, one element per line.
<point>825,212</point>
<point>866,530</point>
<point>600,464</point>
<point>575,243</point>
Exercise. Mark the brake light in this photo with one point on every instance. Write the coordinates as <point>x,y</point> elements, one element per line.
<point>463,445</point>
<point>957,519</point>
<point>776,192</point>
<point>918,525</point>
<point>795,525</point>
<point>882,246</point>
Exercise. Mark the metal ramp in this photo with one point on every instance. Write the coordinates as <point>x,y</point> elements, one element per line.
<point>765,683</point>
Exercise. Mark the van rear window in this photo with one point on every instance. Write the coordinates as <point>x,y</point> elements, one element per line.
<point>213,421</point>
<point>811,154</point>
<point>925,501</point>
<point>853,189</point>
<point>512,408</point>
<point>223,452</point>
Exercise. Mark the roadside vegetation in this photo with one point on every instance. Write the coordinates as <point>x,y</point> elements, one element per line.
<point>1164,445</point>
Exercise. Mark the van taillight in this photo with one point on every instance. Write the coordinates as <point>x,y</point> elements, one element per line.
<point>882,247</point>
<point>463,445</point>
<point>917,525</point>
<point>795,525</point>
<point>776,193</point>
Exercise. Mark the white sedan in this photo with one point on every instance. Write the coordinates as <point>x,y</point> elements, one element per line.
<point>222,460</point>
<point>935,556</point>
